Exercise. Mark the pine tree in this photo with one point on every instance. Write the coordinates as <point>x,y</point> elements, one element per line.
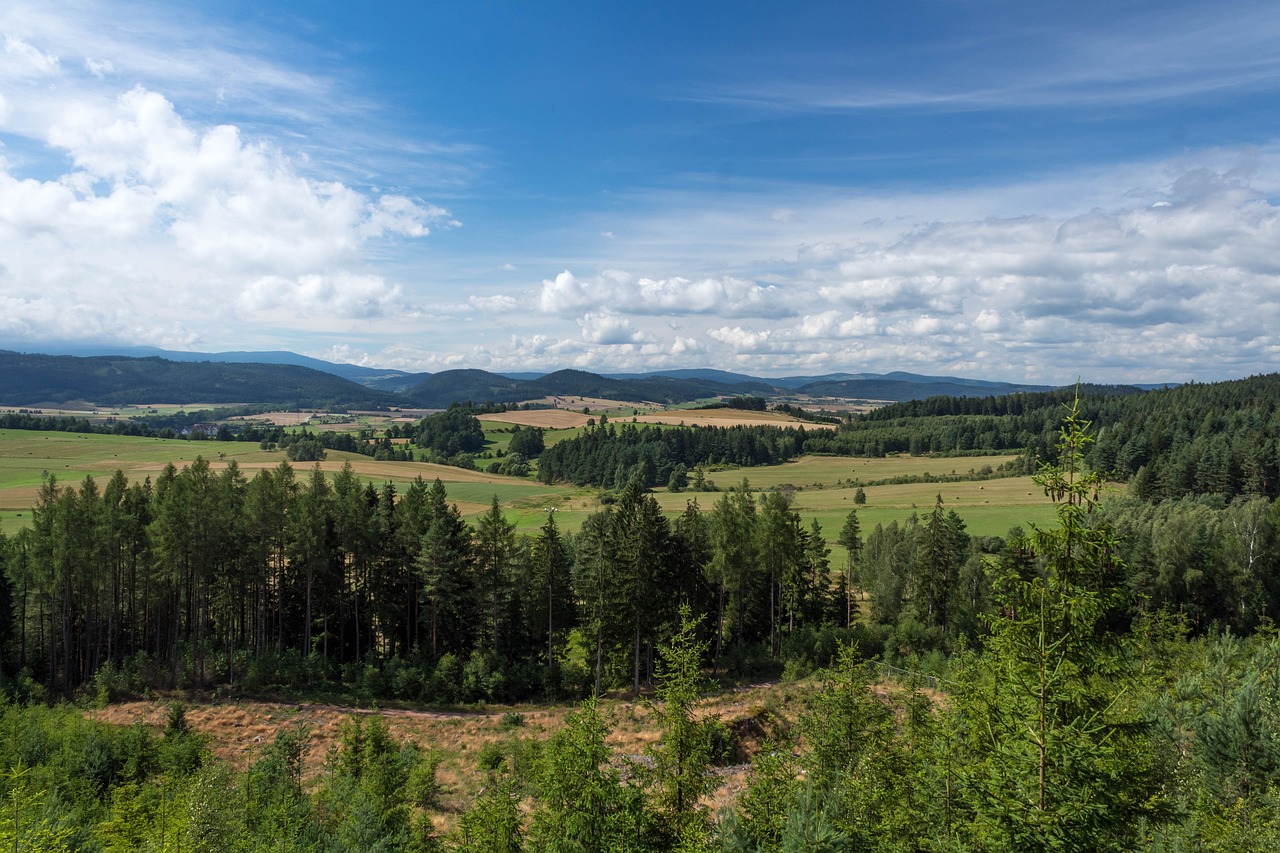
<point>682,757</point>
<point>495,547</point>
<point>851,540</point>
<point>1059,761</point>
<point>551,602</point>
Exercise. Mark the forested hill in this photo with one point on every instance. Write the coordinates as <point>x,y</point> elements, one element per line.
<point>452,386</point>
<point>1221,438</point>
<point>905,386</point>
<point>33,380</point>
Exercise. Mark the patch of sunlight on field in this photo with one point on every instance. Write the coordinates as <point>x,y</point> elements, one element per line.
<point>833,470</point>
<point>824,483</point>
<point>27,457</point>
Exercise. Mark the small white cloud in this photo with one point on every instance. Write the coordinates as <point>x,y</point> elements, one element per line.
<point>607,234</point>
<point>740,339</point>
<point>99,68</point>
<point>609,329</point>
<point>396,214</point>
<point>498,304</point>
<point>988,320</point>
<point>859,325</point>
<point>687,346</point>
<point>507,267</point>
<point>30,59</point>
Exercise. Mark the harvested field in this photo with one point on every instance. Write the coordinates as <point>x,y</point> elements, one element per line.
<point>545,418</point>
<point>278,418</point>
<point>725,418</point>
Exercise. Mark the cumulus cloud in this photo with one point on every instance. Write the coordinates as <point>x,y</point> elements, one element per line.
<point>740,339</point>
<point>501,303</point>
<point>160,216</point>
<point>610,329</point>
<point>342,295</point>
<point>617,290</point>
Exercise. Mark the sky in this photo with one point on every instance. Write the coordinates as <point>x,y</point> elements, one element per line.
<point>1026,191</point>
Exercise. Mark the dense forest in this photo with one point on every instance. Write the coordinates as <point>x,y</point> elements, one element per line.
<point>1072,704</point>
<point>1106,683</point>
<point>30,379</point>
<point>609,455</point>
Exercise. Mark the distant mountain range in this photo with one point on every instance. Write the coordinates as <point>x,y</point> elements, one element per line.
<point>113,380</point>
<point>145,374</point>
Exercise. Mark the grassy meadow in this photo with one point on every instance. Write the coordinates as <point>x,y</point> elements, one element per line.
<point>824,485</point>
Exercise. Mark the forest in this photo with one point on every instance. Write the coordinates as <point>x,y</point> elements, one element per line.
<point>1108,682</point>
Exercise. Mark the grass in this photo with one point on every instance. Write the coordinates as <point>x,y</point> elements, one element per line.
<point>824,483</point>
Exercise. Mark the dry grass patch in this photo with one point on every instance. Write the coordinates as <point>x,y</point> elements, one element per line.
<point>238,731</point>
<point>545,418</point>
<point>724,418</point>
<point>278,418</point>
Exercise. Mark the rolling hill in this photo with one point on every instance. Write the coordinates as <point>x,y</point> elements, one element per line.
<point>45,380</point>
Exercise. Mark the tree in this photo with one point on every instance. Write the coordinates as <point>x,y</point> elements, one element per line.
<point>443,565</point>
<point>851,540</point>
<point>551,601</point>
<point>495,545</point>
<point>642,547</point>
<point>939,555</point>
<point>781,550</point>
<point>817,564</point>
<point>732,568</point>
<point>582,803</point>
<point>1058,759</point>
<point>682,756</point>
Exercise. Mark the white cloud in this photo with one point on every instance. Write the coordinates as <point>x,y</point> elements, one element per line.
<point>609,329</point>
<point>167,220</point>
<point>99,68</point>
<point>343,296</point>
<point>27,60</point>
<point>500,303</point>
<point>740,339</point>
<point>725,296</point>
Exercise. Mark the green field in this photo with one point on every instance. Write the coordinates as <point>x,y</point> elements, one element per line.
<point>824,485</point>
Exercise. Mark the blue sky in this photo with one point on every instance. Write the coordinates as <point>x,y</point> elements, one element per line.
<point>1010,190</point>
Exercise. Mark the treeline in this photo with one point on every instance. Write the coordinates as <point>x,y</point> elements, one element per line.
<point>306,446</point>
<point>609,456</point>
<point>180,425</point>
<point>1221,438</point>
<point>204,577</point>
<point>1075,726</point>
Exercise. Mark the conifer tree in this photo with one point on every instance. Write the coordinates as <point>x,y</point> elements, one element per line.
<point>1059,761</point>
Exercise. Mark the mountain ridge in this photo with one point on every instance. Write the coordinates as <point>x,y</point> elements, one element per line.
<point>218,377</point>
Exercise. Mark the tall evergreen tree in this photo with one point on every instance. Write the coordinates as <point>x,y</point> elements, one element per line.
<point>851,540</point>
<point>495,548</point>
<point>1058,762</point>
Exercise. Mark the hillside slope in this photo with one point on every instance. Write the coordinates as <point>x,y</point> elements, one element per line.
<point>33,380</point>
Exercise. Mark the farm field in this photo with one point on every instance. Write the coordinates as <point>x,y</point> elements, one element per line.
<point>725,417</point>
<point>26,457</point>
<point>824,484</point>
